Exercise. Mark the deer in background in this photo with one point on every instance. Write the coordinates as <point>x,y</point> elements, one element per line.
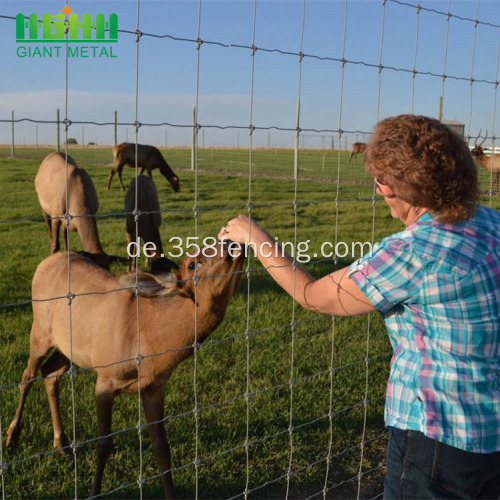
<point>173,316</point>
<point>357,147</point>
<point>82,204</point>
<point>148,225</point>
<point>148,158</point>
<point>489,162</point>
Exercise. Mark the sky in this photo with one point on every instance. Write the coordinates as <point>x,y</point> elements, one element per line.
<point>160,81</point>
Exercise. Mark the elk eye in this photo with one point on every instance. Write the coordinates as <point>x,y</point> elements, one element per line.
<point>194,265</point>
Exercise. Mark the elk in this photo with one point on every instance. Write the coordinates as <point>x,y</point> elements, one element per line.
<point>148,158</point>
<point>490,163</point>
<point>80,203</point>
<point>357,147</point>
<point>174,315</point>
<point>148,227</point>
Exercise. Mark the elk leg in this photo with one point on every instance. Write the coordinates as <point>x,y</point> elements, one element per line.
<point>37,353</point>
<point>110,178</point>
<point>120,168</point>
<point>132,262</point>
<point>54,235</point>
<point>141,171</point>
<point>117,169</point>
<point>46,217</point>
<point>52,370</point>
<point>65,237</point>
<point>105,397</point>
<point>153,402</point>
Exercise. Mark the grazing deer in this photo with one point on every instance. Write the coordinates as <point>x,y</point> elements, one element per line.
<point>105,331</point>
<point>148,225</point>
<point>148,158</point>
<point>490,163</point>
<point>80,203</point>
<point>357,147</point>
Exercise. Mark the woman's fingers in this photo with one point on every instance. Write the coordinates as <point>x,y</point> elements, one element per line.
<point>236,229</point>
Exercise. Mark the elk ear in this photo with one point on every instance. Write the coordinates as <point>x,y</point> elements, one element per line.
<point>170,284</point>
<point>150,285</point>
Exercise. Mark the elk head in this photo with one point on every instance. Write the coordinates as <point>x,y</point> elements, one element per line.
<point>477,151</point>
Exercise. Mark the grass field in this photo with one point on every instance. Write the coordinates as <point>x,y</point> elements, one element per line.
<point>325,358</point>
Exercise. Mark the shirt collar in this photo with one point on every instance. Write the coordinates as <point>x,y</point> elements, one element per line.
<point>425,217</point>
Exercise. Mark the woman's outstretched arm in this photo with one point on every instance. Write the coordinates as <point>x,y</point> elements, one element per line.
<point>335,294</point>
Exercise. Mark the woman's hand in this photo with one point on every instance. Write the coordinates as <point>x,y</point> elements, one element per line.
<point>242,230</point>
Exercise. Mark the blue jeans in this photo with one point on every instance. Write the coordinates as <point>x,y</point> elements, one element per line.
<point>420,468</point>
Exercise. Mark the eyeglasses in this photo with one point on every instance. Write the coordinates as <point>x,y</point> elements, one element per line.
<point>384,190</point>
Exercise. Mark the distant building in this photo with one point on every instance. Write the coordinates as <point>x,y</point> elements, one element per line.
<point>457,127</point>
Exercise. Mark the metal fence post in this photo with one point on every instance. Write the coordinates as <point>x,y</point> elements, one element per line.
<point>12,145</point>
<point>116,129</point>
<point>58,126</point>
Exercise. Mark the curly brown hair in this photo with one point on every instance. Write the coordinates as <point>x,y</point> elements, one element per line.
<point>426,164</point>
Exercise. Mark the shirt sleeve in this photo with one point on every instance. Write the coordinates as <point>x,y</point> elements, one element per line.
<point>390,275</point>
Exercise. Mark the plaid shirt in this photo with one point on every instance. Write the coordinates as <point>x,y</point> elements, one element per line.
<point>437,287</point>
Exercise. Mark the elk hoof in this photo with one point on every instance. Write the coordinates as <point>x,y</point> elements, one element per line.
<point>63,446</point>
<point>13,435</point>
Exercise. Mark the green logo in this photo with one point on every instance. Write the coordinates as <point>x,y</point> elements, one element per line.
<point>53,28</point>
<point>65,28</point>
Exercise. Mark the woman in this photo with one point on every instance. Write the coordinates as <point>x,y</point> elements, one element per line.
<point>437,286</point>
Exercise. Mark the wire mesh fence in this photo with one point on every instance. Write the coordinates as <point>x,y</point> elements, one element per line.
<point>277,402</point>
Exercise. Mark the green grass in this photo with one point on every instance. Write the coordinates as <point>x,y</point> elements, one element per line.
<point>277,349</point>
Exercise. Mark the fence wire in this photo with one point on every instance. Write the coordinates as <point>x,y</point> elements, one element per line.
<point>287,480</point>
